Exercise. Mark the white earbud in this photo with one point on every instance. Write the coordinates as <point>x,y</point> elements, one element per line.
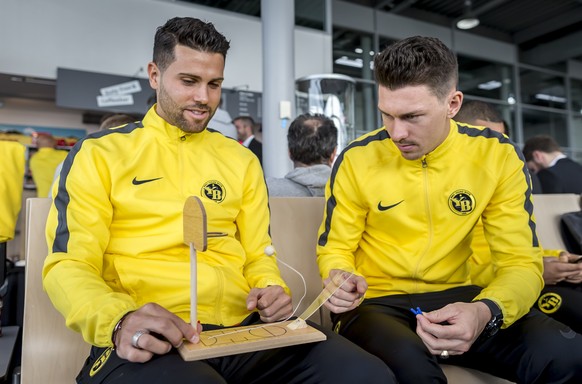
<point>269,250</point>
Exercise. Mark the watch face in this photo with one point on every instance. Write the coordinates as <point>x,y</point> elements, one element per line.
<point>492,326</point>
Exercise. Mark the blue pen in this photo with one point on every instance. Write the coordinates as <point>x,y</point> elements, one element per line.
<point>416,311</point>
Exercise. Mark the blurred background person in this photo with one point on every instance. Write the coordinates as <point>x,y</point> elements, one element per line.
<point>107,122</point>
<point>44,163</point>
<point>222,122</point>
<point>246,129</point>
<point>480,113</point>
<point>312,142</point>
<point>556,172</point>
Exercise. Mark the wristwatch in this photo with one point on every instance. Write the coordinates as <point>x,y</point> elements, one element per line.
<point>496,319</point>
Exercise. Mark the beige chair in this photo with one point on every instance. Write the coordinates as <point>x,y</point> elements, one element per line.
<point>547,210</point>
<point>294,225</point>
<point>51,353</point>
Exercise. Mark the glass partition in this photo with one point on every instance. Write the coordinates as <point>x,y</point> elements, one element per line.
<point>544,122</point>
<point>331,95</point>
<point>543,89</point>
<point>486,79</point>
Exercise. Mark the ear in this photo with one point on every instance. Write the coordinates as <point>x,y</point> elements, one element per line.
<point>154,75</point>
<point>455,102</point>
<point>539,157</point>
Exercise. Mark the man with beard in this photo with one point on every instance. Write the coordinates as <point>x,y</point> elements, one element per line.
<point>118,269</point>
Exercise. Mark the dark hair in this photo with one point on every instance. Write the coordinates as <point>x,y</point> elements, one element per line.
<point>417,61</point>
<point>542,143</point>
<point>312,138</point>
<point>245,119</point>
<point>115,120</point>
<point>478,110</point>
<point>190,32</point>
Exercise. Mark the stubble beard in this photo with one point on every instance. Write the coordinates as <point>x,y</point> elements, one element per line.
<point>174,114</point>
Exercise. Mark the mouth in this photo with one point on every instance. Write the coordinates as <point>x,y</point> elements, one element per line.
<point>197,114</point>
<point>405,147</point>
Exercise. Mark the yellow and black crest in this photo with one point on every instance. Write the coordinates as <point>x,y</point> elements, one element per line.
<point>549,302</point>
<point>100,362</point>
<point>214,190</point>
<point>462,202</point>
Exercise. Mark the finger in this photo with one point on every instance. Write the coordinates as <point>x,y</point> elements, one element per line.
<point>343,307</point>
<point>135,355</point>
<point>269,295</point>
<point>436,345</point>
<point>157,319</point>
<point>252,299</point>
<point>435,329</point>
<point>342,299</point>
<point>279,309</point>
<point>362,285</point>
<point>150,343</point>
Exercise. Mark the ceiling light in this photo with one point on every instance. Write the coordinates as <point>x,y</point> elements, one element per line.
<point>546,97</point>
<point>488,86</point>
<point>468,20</point>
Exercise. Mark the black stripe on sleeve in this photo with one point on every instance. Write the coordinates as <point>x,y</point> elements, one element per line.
<point>62,199</point>
<point>332,202</point>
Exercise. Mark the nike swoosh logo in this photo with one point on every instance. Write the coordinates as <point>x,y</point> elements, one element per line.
<point>387,207</point>
<point>135,181</point>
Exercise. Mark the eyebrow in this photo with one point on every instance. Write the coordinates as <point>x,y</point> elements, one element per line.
<point>413,112</point>
<point>196,77</point>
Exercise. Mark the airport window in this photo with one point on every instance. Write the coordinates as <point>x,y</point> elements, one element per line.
<point>486,79</point>
<point>544,122</point>
<point>544,89</point>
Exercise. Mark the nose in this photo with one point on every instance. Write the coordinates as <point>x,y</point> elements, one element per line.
<point>398,131</point>
<point>201,94</point>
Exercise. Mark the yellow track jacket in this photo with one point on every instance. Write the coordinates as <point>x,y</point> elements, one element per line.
<point>406,225</point>
<point>115,230</point>
<point>11,181</point>
<point>482,271</point>
<point>43,165</point>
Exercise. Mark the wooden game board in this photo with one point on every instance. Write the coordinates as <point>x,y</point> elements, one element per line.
<point>251,338</point>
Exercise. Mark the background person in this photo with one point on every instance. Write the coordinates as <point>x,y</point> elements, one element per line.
<point>109,121</point>
<point>312,142</point>
<point>480,113</point>
<point>246,129</point>
<point>562,293</point>
<point>222,122</point>
<point>118,268</point>
<point>44,162</point>
<point>402,202</point>
<point>556,172</point>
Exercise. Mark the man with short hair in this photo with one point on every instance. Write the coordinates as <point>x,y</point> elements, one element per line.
<point>246,130</point>
<point>401,204</point>
<point>118,269</point>
<point>480,113</point>
<point>557,173</point>
<point>312,142</point>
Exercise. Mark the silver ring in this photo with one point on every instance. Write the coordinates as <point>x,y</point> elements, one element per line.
<point>445,354</point>
<point>136,336</point>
